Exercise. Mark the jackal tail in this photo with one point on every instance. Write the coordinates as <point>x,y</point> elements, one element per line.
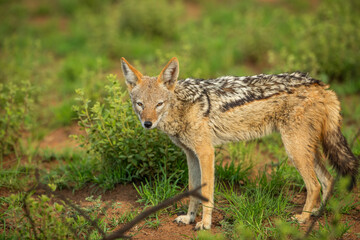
<point>336,147</point>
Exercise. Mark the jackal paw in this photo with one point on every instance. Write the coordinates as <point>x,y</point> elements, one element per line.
<point>299,218</point>
<point>201,226</point>
<point>183,219</point>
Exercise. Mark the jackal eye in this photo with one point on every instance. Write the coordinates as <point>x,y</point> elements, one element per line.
<point>139,104</point>
<point>159,104</point>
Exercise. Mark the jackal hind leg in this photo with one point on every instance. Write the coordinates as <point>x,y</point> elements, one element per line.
<point>325,178</point>
<point>302,153</point>
<point>194,181</point>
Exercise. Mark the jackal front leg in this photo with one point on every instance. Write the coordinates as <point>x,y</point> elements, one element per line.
<point>194,181</point>
<point>205,154</point>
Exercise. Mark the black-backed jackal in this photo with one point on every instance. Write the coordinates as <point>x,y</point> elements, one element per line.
<point>198,114</point>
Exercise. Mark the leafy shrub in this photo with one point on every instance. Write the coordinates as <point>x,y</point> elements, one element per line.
<point>15,102</point>
<point>115,137</point>
<point>21,83</point>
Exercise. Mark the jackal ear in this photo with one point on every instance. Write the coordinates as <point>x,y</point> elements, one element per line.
<point>169,74</point>
<point>132,76</point>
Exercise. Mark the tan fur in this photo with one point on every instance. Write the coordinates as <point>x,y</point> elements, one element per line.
<point>198,115</point>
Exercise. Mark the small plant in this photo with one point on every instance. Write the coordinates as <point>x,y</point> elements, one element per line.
<point>44,223</point>
<point>153,222</point>
<point>125,217</point>
<point>15,103</point>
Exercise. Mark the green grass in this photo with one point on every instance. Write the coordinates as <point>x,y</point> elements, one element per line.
<point>125,217</point>
<point>164,186</point>
<point>16,178</point>
<point>74,173</point>
<point>234,162</point>
<point>232,172</point>
<point>256,204</point>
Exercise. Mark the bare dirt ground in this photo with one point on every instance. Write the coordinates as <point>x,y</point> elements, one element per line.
<point>60,138</point>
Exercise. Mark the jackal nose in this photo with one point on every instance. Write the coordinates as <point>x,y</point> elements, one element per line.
<point>147,124</point>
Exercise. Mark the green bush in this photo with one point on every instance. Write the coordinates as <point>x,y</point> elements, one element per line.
<point>115,137</point>
<point>15,102</point>
<point>21,83</point>
<point>327,42</point>
<point>155,18</point>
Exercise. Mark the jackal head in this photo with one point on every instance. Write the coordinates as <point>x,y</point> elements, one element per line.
<point>151,96</point>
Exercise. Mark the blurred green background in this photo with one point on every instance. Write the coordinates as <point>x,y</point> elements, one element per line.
<point>50,48</point>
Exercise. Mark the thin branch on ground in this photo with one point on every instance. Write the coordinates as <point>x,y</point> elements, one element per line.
<point>27,213</point>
